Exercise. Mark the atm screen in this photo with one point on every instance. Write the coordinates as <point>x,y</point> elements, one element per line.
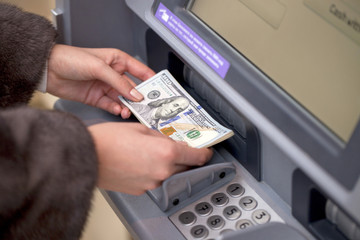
<point>310,48</point>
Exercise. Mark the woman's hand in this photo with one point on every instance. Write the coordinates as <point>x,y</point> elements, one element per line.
<point>134,158</point>
<point>95,76</point>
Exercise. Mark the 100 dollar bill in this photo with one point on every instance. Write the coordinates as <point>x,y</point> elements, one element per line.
<point>168,108</point>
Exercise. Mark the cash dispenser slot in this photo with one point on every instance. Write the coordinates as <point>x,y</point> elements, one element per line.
<point>319,214</point>
<point>245,144</point>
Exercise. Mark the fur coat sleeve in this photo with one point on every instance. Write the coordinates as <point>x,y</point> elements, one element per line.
<point>48,164</point>
<point>25,42</point>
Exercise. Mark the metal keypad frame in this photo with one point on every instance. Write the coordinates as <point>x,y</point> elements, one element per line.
<point>233,207</point>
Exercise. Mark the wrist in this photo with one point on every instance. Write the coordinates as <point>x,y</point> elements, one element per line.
<point>43,81</point>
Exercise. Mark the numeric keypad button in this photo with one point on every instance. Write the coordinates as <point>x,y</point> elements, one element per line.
<point>219,199</point>
<point>203,208</point>
<point>235,190</point>
<point>187,218</point>
<point>199,232</point>
<point>248,203</point>
<point>216,222</point>
<point>243,224</point>
<point>232,212</point>
<point>261,216</point>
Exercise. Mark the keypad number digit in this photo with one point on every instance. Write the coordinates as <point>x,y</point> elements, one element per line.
<point>248,203</point>
<point>216,222</point>
<point>232,212</point>
<point>235,190</point>
<point>199,232</point>
<point>219,199</point>
<point>243,224</point>
<point>203,208</point>
<point>261,216</point>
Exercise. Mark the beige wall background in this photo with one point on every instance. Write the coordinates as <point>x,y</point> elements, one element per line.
<point>41,7</point>
<point>103,224</point>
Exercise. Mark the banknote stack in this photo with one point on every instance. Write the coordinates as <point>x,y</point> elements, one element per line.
<point>168,108</point>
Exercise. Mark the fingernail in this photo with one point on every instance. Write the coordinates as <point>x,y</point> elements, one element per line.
<point>136,94</point>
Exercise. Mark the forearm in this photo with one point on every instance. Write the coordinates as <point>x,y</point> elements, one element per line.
<point>48,171</point>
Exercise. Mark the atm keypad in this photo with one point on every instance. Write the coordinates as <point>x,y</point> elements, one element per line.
<point>234,207</point>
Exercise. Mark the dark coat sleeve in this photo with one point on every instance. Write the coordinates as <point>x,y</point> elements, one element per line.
<point>48,163</point>
<point>25,43</point>
<point>48,170</point>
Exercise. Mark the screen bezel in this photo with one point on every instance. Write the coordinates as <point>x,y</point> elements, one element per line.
<point>323,146</point>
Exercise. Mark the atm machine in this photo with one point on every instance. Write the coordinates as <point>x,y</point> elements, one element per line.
<point>283,75</point>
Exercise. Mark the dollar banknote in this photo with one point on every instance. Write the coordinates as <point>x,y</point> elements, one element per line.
<point>169,109</point>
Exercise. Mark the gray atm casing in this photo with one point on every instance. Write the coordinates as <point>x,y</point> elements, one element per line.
<point>271,153</point>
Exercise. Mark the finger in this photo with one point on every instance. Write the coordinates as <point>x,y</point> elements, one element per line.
<point>125,113</point>
<point>114,95</point>
<point>180,168</point>
<point>109,105</point>
<point>138,69</point>
<point>123,110</point>
<point>114,79</point>
<point>193,156</point>
<point>123,62</point>
<point>129,80</point>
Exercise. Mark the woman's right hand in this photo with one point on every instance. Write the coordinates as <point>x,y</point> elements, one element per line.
<point>134,158</point>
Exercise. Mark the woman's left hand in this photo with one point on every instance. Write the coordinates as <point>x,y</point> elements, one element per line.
<point>95,76</point>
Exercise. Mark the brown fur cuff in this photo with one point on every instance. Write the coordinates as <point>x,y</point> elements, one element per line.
<point>25,43</point>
